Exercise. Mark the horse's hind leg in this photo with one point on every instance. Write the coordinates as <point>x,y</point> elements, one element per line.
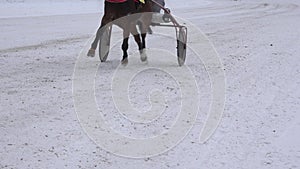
<point>107,18</point>
<point>143,51</point>
<point>94,45</point>
<point>137,39</point>
<point>146,21</point>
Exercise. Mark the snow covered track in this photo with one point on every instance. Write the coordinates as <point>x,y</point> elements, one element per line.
<point>258,43</point>
<point>246,10</point>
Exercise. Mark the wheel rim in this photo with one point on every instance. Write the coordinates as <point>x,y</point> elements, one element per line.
<point>181,48</point>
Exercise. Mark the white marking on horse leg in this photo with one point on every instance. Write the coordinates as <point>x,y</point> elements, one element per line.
<point>143,55</point>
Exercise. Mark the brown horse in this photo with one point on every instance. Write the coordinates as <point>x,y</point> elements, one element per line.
<point>114,13</point>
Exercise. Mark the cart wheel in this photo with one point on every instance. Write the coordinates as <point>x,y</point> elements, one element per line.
<point>181,45</point>
<point>104,44</point>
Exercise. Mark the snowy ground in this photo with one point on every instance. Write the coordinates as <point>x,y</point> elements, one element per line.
<point>258,42</point>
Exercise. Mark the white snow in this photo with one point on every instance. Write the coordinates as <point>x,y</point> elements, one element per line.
<point>29,8</point>
<point>258,42</point>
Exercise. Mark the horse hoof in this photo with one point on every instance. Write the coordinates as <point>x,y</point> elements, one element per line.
<point>143,55</point>
<point>150,31</point>
<point>91,53</point>
<point>124,62</point>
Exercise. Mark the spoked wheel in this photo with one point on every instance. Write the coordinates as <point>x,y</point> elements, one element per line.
<point>104,43</point>
<point>181,45</point>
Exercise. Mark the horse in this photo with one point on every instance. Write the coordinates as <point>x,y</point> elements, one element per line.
<point>115,10</point>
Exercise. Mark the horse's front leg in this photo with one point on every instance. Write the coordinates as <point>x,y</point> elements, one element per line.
<point>125,47</point>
